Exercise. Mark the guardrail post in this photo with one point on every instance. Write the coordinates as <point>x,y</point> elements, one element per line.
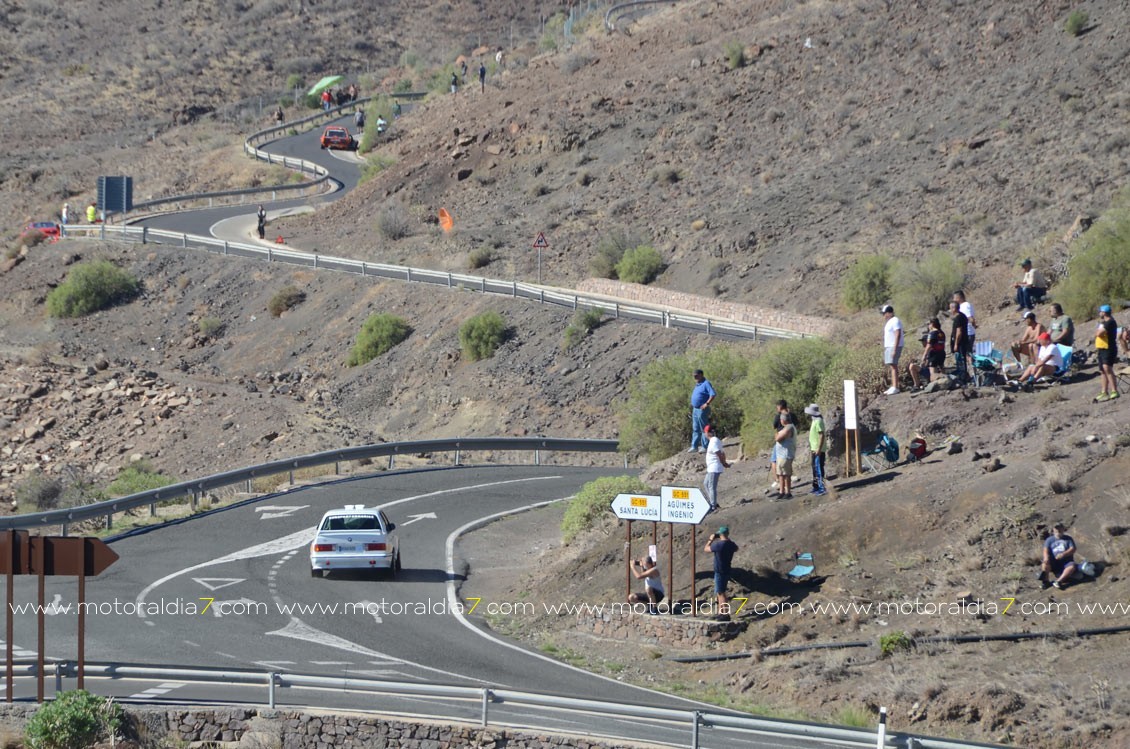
<point>144,234</point>
<point>708,326</point>
<point>248,486</point>
<point>270,256</point>
<point>881,739</point>
<point>315,260</point>
<point>364,269</point>
<point>274,195</point>
<point>195,499</point>
<point>225,246</point>
<point>484,284</point>
<point>59,678</point>
<point>574,301</point>
<point>541,295</point>
<point>152,509</point>
<point>409,272</point>
<point>514,289</point>
<point>109,521</point>
<point>290,473</point>
<point>271,689</point>
<point>449,280</point>
<point>537,457</point>
<point>486,701</point>
<point>390,461</point>
<point>65,526</point>
<point>666,320</point>
<point>616,310</point>
<point>337,468</point>
<point>457,456</point>
<point>184,241</point>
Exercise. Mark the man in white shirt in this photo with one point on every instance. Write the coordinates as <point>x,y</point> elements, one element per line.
<point>715,462</point>
<point>966,308</point>
<point>1046,363</point>
<point>892,345</point>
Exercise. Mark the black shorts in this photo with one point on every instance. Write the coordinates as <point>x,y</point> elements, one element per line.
<point>936,359</point>
<point>1107,356</point>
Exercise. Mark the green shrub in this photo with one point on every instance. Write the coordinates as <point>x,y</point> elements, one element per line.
<point>893,642</point>
<point>594,501</point>
<point>867,284</point>
<point>861,363</point>
<point>640,265</point>
<point>374,165</point>
<point>39,492</point>
<point>923,286</point>
<point>482,334</point>
<point>378,334</point>
<point>394,222</point>
<point>74,719</point>
<point>856,717</point>
<point>480,258</point>
<point>656,418</point>
<point>583,323</point>
<point>611,251</point>
<point>137,478</point>
<point>1076,22</point>
<point>293,81</point>
<point>735,55</point>
<point>210,326</point>
<point>379,106</point>
<point>286,298</point>
<point>785,369</point>
<point>91,287</point>
<point>1098,271</point>
<point>403,86</point>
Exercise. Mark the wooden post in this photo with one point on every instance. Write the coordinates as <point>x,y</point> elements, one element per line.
<point>41,618</point>
<point>86,553</point>
<point>12,557</point>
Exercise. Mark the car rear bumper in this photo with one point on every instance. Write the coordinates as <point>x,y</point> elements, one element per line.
<point>379,561</point>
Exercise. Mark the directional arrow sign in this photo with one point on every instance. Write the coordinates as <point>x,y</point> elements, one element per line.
<point>636,507</point>
<point>682,505</point>
<point>415,518</point>
<point>279,512</point>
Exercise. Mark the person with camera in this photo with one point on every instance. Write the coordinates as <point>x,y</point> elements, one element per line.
<point>647,570</point>
<point>723,549</point>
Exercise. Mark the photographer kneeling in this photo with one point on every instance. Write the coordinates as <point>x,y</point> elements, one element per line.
<point>646,569</point>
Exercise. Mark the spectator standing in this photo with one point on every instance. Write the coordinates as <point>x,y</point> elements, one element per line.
<point>1061,328</point>
<point>723,549</point>
<point>701,397</point>
<point>498,58</point>
<point>959,341</point>
<point>892,346</point>
<point>774,481</point>
<point>786,453</point>
<point>454,82</point>
<point>327,100</point>
<point>359,119</point>
<point>966,308</point>
<point>1029,342</point>
<point>1059,558</point>
<point>715,462</point>
<point>817,443</point>
<point>1106,349</point>
<point>396,109</point>
<point>65,214</point>
<point>647,570</point>
<point>261,216</point>
<point>91,214</point>
<point>1030,289</point>
<point>463,71</point>
<point>933,354</point>
<point>482,77</point>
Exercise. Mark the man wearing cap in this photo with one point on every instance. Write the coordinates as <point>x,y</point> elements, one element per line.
<point>723,549</point>
<point>1030,289</point>
<point>701,397</point>
<point>1106,349</point>
<point>1047,362</point>
<point>816,443</point>
<point>1029,342</point>
<point>892,345</point>
<point>715,462</point>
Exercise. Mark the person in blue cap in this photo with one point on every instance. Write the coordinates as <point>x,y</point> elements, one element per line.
<point>1106,349</point>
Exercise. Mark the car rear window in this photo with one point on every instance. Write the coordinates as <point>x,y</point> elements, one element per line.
<point>351,523</point>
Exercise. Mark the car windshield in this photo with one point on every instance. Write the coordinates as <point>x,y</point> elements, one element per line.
<point>335,133</point>
<point>351,523</point>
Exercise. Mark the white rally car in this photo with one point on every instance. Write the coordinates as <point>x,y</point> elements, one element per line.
<point>354,538</point>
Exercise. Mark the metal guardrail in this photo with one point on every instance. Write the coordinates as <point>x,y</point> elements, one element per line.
<point>196,488</point>
<point>488,697</point>
<point>624,10</point>
<point>666,317</point>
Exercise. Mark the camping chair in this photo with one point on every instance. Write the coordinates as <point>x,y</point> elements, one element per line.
<point>1123,375</point>
<point>804,566</point>
<point>1063,374</point>
<point>884,455</point>
<point>988,362</point>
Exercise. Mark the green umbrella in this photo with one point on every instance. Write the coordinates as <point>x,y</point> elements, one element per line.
<point>325,83</point>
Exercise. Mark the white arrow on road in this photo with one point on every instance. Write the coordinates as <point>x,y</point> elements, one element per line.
<point>279,512</point>
<point>215,583</point>
<point>369,607</point>
<point>425,516</point>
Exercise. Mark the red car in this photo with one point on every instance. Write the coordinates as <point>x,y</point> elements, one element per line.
<point>336,136</point>
<point>49,229</point>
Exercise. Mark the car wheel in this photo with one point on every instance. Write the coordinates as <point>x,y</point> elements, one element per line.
<point>315,573</point>
<point>396,566</point>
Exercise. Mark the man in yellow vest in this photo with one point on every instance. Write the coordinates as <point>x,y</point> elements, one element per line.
<point>91,214</point>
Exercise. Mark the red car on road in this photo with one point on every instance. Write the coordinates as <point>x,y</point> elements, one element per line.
<point>336,136</point>
<point>49,229</point>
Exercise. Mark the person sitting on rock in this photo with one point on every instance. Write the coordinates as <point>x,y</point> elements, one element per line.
<point>646,569</point>
<point>1048,361</point>
<point>1059,558</point>
<point>1029,342</point>
<point>1030,289</point>
<point>1061,328</point>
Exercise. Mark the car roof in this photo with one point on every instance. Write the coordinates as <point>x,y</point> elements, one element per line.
<point>336,129</point>
<point>351,510</point>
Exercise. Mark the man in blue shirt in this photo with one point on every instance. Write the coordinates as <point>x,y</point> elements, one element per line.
<point>1059,558</point>
<point>701,397</point>
<point>723,549</point>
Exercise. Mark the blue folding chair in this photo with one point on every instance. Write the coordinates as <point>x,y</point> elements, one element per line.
<point>804,566</point>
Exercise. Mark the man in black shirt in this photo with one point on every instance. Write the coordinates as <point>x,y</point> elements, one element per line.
<point>959,342</point>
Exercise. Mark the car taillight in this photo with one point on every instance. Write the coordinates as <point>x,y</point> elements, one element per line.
<point>323,547</point>
<point>375,547</point>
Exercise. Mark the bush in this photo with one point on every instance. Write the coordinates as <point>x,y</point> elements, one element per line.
<point>91,287</point>
<point>480,258</point>
<point>286,298</point>
<point>893,642</point>
<point>787,369</point>
<point>655,420</point>
<point>583,323</point>
<point>867,283</point>
<point>379,106</point>
<point>594,501</point>
<point>39,491</point>
<point>394,222</point>
<point>924,286</point>
<point>735,55</point>
<point>1098,271</point>
<point>136,478</point>
<point>293,81</point>
<point>74,719</point>
<point>640,265</point>
<point>481,335</point>
<point>610,251</point>
<point>378,334</point>
<point>374,165</point>
<point>861,363</point>
<point>1076,22</point>
<point>210,326</point>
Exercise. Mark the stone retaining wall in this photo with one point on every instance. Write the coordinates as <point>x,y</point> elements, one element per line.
<point>716,308</point>
<point>289,729</point>
<point>669,631</point>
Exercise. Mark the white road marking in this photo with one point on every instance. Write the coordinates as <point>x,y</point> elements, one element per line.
<point>158,691</point>
<point>279,511</point>
<point>364,606</point>
<point>332,663</point>
<point>417,518</point>
<point>191,643</point>
<point>18,652</point>
<point>215,583</point>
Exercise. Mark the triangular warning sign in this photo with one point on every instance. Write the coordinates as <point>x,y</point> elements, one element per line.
<point>540,241</point>
<point>215,583</point>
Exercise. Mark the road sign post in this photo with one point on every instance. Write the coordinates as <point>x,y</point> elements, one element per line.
<point>633,507</point>
<point>539,244</point>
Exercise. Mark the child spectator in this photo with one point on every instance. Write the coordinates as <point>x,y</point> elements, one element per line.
<point>933,354</point>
